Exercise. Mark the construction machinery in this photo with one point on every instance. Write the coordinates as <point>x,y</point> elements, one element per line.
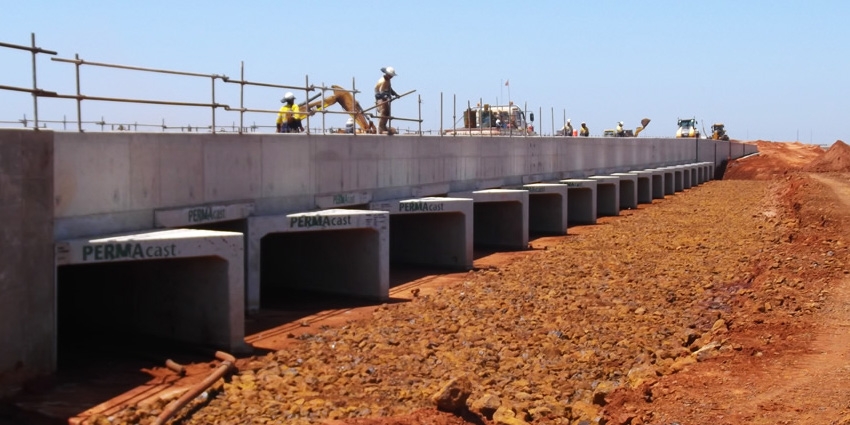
<point>718,131</point>
<point>490,120</point>
<point>622,132</point>
<point>345,99</point>
<point>687,128</point>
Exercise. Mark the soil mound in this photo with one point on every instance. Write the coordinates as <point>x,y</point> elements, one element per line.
<point>836,158</point>
<point>774,158</point>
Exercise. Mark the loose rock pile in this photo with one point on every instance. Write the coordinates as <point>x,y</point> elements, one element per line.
<point>544,339</point>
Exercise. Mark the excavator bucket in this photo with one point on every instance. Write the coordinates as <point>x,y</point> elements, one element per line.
<point>643,123</point>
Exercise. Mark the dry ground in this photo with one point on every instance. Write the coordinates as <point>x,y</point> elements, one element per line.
<point>727,303</point>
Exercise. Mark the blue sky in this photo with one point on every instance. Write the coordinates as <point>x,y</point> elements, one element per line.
<point>770,70</point>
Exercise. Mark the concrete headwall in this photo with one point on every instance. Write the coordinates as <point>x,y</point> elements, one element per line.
<point>113,182</point>
<point>27,296</point>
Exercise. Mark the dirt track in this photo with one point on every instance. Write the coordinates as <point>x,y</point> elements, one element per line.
<point>726,303</point>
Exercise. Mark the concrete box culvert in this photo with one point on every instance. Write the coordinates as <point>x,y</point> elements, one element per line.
<point>430,231</point>
<point>677,178</point>
<point>202,215</point>
<point>659,182</point>
<point>644,186</point>
<point>607,195</point>
<point>548,206</point>
<point>183,285</point>
<point>628,190</point>
<point>500,217</point>
<point>668,182</point>
<point>337,251</point>
<point>581,200</point>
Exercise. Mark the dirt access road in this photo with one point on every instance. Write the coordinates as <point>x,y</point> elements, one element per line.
<point>727,303</point>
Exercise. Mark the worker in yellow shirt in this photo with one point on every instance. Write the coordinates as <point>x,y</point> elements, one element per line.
<point>290,116</point>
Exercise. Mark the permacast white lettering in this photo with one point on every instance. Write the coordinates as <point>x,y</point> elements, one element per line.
<point>420,206</point>
<point>319,221</point>
<point>201,214</point>
<point>128,251</point>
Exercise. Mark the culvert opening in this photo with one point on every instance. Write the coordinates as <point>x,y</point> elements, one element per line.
<point>498,225</point>
<point>332,265</point>
<point>140,310</point>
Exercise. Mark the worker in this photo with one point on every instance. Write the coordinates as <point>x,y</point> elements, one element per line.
<point>289,117</point>
<point>349,125</point>
<point>584,131</point>
<point>620,131</point>
<point>384,94</point>
<point>568,128</point>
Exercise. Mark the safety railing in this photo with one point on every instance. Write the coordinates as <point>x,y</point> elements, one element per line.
<point>213,103</point>
<point>35,91</point>
<point>310,92</point>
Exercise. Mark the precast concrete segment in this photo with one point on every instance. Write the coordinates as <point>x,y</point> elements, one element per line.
<point>688,176</point>
<point>581,200</point>
<point>708,171</point>
<point>644,186</point>
<point>342,200</point>
<point>548,205</point>
<point>607,195</point>
<point>430,231</point>
<point>669,180</point>
<point>704,172</point>
<point>194,307</point>
<point>338,251</point>
<point>660,182</point>
<point>678,186</point>
<point>500,217</point>
<point>199,215</point>
<point>628,190</point>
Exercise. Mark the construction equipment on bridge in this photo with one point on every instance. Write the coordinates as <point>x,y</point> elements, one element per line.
<point>718,131</point>
<point>493,121</point>
<point>621,132</point>
<point>345,99</point>
<point>687,128</point>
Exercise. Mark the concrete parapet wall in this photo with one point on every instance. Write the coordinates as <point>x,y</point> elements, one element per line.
<point>112,182</point>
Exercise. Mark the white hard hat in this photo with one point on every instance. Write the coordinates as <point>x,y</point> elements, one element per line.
<point>621,123</point>
<point>389,71</point>
<point>350,121</point>
<point>287,97</point>
<point>568,120</point>
<point>498,122</point>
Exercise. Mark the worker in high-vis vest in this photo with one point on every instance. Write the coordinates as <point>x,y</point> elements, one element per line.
<point>584,130</point>
<point>384,94</point>
<point>289,117</point>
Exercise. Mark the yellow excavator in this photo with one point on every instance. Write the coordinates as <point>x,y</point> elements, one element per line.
<point>345,99</point>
